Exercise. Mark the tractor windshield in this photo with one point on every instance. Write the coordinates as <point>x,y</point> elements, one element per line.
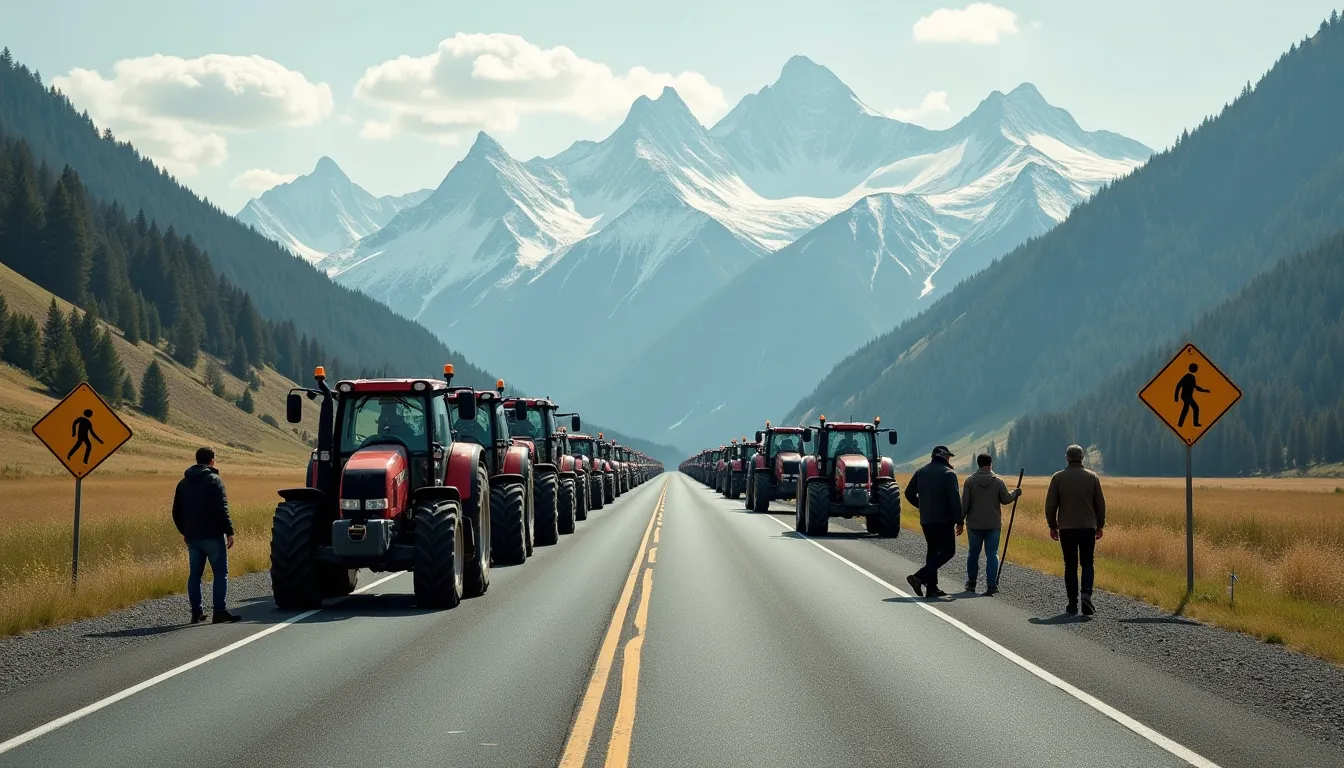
<point>474,430</point>
<point>531,427</point>
<point>842,442</point>
<point>384,415</point>
<point>581,447</point>
<point>783,443</point>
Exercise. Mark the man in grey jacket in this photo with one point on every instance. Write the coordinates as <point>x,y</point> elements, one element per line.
<point>1075,510</point>
<point>933,489</point>
<point>982,498</point>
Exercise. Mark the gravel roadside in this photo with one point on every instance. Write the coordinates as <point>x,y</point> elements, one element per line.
<point>41,654</point>
<point>1303,692</point>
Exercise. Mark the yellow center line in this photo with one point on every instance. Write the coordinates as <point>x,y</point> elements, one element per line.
<point>653,555</point>
<point>618,750</point>
<point>581,734</point>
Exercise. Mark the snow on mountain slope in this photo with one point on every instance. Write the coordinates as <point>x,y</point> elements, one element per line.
<point>322,211</point>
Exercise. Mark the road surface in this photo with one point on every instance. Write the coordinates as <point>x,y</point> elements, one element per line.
<point>674,629</point>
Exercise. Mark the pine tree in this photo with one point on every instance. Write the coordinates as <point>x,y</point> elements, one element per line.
<point>127,389</point>
<point>22,228</point>
<point>246,403</point>
<point>238,366</point>
<point>66,257</point>
<point>86,331</point>
<point>106,372</point>
<point>68,371</point>
<point>154,328</point>
<point>23,344</point>
<point>214,378</point>
<point>4,324</point>
<point>130,325</point>
<point>1332,441</point>
<point>186,341</point>
<point>154,393</point>
<point>55,333</point>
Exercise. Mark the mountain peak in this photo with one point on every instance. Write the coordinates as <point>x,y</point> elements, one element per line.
<point>485,144</point>
<point>668,105</point>
<point>805,76</point>
<point>327,168</point>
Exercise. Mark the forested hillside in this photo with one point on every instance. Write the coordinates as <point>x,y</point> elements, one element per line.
<point>1139,262</point>
<point>1281,340</point>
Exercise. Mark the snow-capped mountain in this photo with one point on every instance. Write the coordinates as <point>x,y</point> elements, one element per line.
<point>322,211</point>
<point>670,230</point>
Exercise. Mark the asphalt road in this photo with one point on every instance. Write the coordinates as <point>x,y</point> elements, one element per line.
<point>674,629</point>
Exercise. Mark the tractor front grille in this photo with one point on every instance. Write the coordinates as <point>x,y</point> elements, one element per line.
<point>855,474</point>
<point>790,466</point>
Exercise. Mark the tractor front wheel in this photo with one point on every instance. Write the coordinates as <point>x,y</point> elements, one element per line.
<point>581,490</point>
<point>476,575</point>
<point>596,498</point>
<point>508,524</point>
<point>608,488</point>
<point>760,494</point>
<point>886,521</point>
<point>294,567</point>
<point>439,556</point>
<point>547,510</point>
<point>565,507</point>
<point>818,510</point>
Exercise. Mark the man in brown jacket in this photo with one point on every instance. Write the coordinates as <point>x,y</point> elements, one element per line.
<point>1075,510</point>
<point>981,498</point>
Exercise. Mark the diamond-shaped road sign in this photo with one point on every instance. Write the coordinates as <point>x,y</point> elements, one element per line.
<point>82,431</point>
<point>1190,394</point>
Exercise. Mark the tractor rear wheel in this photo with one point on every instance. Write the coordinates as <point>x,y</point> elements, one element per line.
<point>565,507</point>
<point>439,555</point>
<point>338,581</point>
<point>596,496</point>
<point>294,567</point>
<point>608,488</point>
<point>508,524</point>
<point>886,521</point>
<point>476,574</point>
<point>581,487</point>
<point>760,494</point>
<point>546,508</point>
<point>818,517</point>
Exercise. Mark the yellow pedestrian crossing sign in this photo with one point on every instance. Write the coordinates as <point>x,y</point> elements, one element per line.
<point>1190,394</point>
<point>82,431</point>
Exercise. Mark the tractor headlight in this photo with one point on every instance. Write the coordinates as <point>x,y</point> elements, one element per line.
<point>375,505</point>
<point>350,504</point>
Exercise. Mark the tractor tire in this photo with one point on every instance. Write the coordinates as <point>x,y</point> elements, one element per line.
<point>798,513</point>
<point>476,574</point>
<point>440,554</point>
<point>546,509</point>
<point>886,521</point>
<point>608,489</point>
<point>818,510</point>
<point>338,581</point>
<point>581,486</point>
<point>295,578</point>
<point>566,507</point>
<point>737,487</point>
<point>508,524</point>
<point>530,518</point>
<point>760,494</point>
<point>751,487</point>
<point>596,498</point>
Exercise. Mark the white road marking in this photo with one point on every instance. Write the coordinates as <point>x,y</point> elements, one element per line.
<point>42,730</point>
<point>1179,750</point>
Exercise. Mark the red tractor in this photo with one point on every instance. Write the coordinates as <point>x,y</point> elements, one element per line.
<point>611,483</point>
<point>480,419</point>
<point>775,467</point>
<point>592,468</point>
<point>734,481</point>
<point>844,475</point>
<point>533,422</point>
<point>389,489</point>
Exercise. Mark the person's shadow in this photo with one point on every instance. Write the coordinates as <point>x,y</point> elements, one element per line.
<point>1063,618</point>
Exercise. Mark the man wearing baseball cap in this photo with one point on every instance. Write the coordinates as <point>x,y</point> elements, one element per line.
<point>934,490</point>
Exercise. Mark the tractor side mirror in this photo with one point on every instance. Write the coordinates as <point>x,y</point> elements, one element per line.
<point>807,435</point>
<point>294,408</point>
<point>760,436</point>
<point>466,405</point>
<point>891,437</point>
<point>520,410</point>
<point>574,422</point>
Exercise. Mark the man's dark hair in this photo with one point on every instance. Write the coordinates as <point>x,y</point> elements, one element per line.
<point>205,455</point>
<point>984,460</point>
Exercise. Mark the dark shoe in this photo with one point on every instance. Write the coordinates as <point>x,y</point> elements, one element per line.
<point>936,592</point>
<point>991,590</point>
<point>915,584</point>
<point>1088,610</point>
<point>1072,609</point>
<point>197,617</point>
<point>970,586</point>
<point>224,617</point>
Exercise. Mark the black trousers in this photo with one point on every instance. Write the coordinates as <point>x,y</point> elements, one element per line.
<point>941,539</point>
<point>1079,544</point>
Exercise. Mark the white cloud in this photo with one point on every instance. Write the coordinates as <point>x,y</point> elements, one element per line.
<point>375,130</point>
<point>258,180</point>
<point>933,103</point>
<point>175,109</point>
<point>978,23</point>
<point>491,81</point>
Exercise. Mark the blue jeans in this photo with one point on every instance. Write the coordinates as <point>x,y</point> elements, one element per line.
<point>989,539</point>
<point>214,550</point>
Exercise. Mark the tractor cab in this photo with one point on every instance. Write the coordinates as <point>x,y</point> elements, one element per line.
<point>844,475</point>
<point>479,418</point>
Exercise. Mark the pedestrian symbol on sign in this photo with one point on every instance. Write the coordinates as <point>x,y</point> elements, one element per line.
<point>1185,394</point>
<point>83,428</point>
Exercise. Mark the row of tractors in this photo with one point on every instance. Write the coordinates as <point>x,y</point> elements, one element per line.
<point>828,469</point>
<point>444,481</point>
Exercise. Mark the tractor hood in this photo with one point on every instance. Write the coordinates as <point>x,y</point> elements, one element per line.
<point>852,468</point>
<point>376,478</point>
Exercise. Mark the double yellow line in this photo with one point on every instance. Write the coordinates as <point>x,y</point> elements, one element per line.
<point>585,723</point>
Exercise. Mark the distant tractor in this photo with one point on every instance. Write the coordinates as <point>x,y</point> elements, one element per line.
<point>734,483</point>
<point>388,489</point>
<point>610,470</point>
<point>533,422</point>
<point>844,475</point>
<point>592,469</point>
<point>775,467</point>
<point>480,419</point>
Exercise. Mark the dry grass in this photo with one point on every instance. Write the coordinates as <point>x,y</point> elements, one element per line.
<point>129,549</point>
<point>1283,538</point>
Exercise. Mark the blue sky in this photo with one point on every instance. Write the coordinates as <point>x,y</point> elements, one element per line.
<point>229,125</point>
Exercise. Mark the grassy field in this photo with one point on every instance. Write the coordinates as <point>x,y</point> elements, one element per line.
<point>1284,538</point>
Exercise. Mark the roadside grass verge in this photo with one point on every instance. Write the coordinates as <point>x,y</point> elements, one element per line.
<point>1286,547</point>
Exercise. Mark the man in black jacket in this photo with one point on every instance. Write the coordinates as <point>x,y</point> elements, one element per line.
<point>935,491</point>
<point>201,514</point>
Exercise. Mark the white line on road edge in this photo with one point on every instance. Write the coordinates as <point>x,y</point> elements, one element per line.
<point>1184,753</point>
<point>42,730</point>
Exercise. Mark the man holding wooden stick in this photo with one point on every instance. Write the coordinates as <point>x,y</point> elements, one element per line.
<point>982,497</point>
